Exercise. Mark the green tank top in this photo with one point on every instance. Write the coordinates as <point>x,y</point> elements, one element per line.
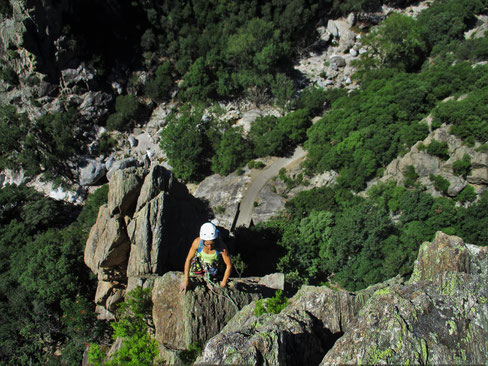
<point>208,258</point>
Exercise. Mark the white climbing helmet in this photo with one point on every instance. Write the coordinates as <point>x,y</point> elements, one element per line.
<point>208,231</point>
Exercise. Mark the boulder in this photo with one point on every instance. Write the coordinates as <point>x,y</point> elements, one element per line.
<point>181,319</point>
<point>337,61</point>
<point>351,19</point>
<point>133,142</point>
<point>108,244</point>
<point>456,184</point>
<point>478,176</point>
<point>437,317</point>
<point>120,165</point>
<point>273,280</point>
<point>91,173</point>
<point>347,41</point>
<point>123,192</point>
<point>94,105</point>
<point>332,28</point>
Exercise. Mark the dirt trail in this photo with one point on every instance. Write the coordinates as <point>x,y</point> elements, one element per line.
<point>251,195</point>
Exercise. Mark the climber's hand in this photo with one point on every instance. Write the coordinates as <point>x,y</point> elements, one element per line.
<point>184,286</point>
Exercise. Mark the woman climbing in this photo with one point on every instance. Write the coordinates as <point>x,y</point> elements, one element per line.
<point>204,255</point>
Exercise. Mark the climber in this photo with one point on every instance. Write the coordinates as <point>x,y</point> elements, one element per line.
<point>204,255</point>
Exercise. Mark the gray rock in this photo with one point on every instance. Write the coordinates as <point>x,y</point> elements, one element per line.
<point>478,176</point>
<point>332,28</point>
<point>93,105</point>
<point>274,280</point>
<point>223,195</point>
<point>351,19</point>
<point>91,173</point>
<point>324,34</point>
<point>456,184</point>
<point>270,205</point>
<point>133,142</point>
<point>159,179</point>
<point>347,41</point>
<point>109,163</point>
<point>121,164</point>
<point>108,244</point>
<point>123,192</point>
<point>353,52</point>
<point>338,61</point>
<point>181,319</point>
<point>145,231</point>
<point>82,74</point>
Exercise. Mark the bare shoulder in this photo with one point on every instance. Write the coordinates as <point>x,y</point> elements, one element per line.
<point>196,242</point>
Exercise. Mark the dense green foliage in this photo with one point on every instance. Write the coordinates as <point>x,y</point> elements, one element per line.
<point>128,111</point>
<point>47,145</point>
<point>44,284</point>
<point>329,235</point>
<point>133,321</point>
<point>467,116</point>
<point>365,130</point>
<point>223,48</point>
<point>185,144</point>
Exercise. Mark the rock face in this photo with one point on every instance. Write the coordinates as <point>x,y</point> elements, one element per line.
<point>144,230</point>
<point>181,319</point>
<point>224,195</point>
<point>425,164</point>
<point>439,316</point>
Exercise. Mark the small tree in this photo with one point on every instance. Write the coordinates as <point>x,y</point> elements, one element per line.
<point>133,323</point>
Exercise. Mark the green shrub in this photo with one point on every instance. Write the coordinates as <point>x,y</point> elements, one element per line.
<point>106,144</point>
<point>440,183</point>
<point>466,195</point>
<point>462,167</point>
<point>127,110</point>
<point>238,264</point>
<point>160,86</point>
<point>439,149</point>
<point>133,320</point>
<point>410,176</point>
<point>272,305</point>
<point>232,152</point>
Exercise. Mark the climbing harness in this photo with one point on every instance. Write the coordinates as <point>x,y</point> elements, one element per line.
<point>223,289</point>
<point>208,272</point>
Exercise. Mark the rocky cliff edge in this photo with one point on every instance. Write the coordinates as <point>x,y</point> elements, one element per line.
<point>439,316</point>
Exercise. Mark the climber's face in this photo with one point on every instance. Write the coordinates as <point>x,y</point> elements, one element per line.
<point>209,243</point>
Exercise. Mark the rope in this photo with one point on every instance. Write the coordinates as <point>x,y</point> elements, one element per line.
<point>224,290</point>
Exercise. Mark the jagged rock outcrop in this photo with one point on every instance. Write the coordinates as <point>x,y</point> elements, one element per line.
<point>426,164</point>
<point>180,319</point>
<point>439,316</point>
<point>144,230</point>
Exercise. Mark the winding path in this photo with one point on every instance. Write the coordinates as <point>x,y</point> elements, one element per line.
<point>251,195</point>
